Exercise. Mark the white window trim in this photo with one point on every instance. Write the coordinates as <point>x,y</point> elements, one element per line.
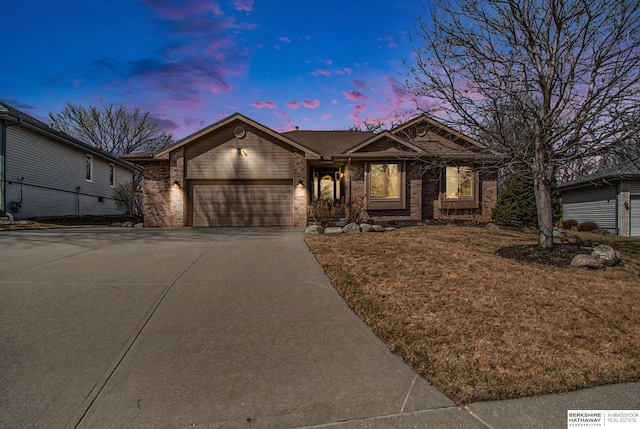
<point>88,159</point>
<point>112,175</point>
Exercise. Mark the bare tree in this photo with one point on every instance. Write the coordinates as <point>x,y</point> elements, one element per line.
<point>128,197</point>
<point>111,128</point>
<point>569,69</point>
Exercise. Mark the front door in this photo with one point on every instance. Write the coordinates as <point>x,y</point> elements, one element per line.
<point>326,184</point>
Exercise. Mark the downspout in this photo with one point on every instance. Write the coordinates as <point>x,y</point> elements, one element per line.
<point>6,120</point>
<point>349,174</point>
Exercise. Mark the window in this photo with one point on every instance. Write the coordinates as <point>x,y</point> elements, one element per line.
<point>459,183</point>
<point>112,175</point>
<point>385,186</point>
<point>89,167</point>
<point>461,189</point>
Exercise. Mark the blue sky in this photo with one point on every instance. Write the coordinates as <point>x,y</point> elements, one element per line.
<point>312,64</point>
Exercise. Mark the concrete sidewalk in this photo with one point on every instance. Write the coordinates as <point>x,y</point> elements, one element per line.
<point>212,328</point>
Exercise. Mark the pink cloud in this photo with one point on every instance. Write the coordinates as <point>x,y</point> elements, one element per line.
<point>263,104</point>
<point>391,42</point>
<point>324,72</point>
<point>311,104</point>
<point>360,108</point>
<point>293,104</point>
<point>347,70</point>
<point>164,10</point>
<point>361,84</point>
<point>325,116</point>
<point>284,39</point>
<point>243,5</point>
<point>354,95</point>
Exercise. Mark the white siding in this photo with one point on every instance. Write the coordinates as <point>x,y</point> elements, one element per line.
<point>48,172</point>
<point>592,204</point>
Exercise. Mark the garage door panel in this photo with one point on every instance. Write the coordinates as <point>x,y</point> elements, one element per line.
<point>242,204</point>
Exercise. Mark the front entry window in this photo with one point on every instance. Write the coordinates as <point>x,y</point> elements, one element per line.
<point>326,184</point>
<point>327,188</point>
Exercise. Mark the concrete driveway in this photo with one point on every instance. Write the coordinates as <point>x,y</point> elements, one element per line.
<point>191,328</point>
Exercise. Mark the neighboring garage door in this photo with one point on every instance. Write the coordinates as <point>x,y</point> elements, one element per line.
<point>592,204</point>
<point>635,216</point>
<point>242,203</point>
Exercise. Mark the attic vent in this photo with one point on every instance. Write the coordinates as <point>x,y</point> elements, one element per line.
<point>239,132</point>
<point>422,130</point>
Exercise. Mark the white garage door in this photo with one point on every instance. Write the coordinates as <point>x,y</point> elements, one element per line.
<point>635,216</point>
<point>242,203</point>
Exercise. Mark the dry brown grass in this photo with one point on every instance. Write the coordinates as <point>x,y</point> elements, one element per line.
<point>480,327</point>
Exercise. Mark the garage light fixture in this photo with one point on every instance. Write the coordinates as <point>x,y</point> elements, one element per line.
<point>239,151</point>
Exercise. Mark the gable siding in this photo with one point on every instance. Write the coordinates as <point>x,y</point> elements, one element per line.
<point>215,157</point>
<point>592,204</point>
<point>44,173</point>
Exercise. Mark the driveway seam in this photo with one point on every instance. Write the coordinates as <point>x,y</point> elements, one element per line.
<point>102,382</point>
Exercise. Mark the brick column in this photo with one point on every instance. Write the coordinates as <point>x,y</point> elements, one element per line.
<point>155,194</point>
<point>177,191</point>
<point>300,190</point>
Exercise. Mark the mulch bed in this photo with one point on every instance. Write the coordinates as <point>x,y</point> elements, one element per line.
<point>560,256</point>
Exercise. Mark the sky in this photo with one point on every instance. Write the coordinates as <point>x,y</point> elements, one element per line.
<point>316,65</point>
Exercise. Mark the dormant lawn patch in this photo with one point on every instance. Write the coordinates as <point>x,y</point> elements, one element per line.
<point>480,326</point>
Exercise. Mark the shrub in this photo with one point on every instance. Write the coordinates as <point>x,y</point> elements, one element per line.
<point>128,197</point>
<point>323,211</point>
<point>587,226</point>
<point>516,205</point>
<point>569,224</point>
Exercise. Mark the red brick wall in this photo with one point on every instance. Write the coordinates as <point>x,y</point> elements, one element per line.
<point>155,194</point>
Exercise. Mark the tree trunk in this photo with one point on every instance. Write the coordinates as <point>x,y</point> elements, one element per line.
<point>542,184</point>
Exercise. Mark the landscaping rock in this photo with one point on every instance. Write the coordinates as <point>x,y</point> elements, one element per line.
<point>365,227</point>
<point>606,254</point>
<point>351,228</point>
<point>586,261</point>
<point>378,228</point>
<point>333,230</point>
<point>565,234</point>
<point>116,224</point>
<point>491,226</point>
<point>139,225</point>
<point>127,224</point>
<point>314,229</point>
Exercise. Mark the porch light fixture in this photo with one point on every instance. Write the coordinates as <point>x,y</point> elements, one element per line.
<point>239,151</point>
<point>300,184</point>
<point>176,183</point>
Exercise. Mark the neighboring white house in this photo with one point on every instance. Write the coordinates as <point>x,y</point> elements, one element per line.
<point>610,198</point>
<point>47,173</point>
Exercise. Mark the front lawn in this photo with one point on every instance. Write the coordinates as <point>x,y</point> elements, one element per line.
<point>482,327</point>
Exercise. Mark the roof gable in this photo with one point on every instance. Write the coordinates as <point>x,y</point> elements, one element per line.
<point>241,119</point>
<point>384,143</point>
